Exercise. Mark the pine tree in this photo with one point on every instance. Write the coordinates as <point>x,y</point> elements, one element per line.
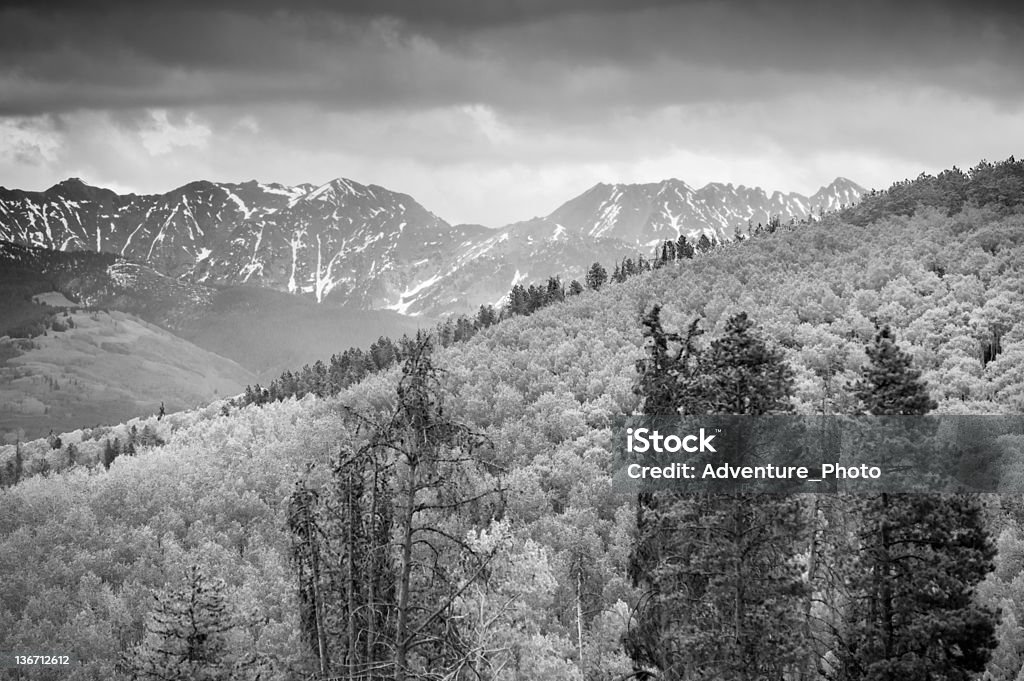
<point>555,291</point>
<point>110,452</point>
<point>306,558</point>
<point>575,288</point>
<point>919,557</point>
<point>485,317</point>
<point>186,637</point>
<point>889,385</point>
<point>670,378</point>
<point>668,251</point>
<point>518,301</point>
<point>912,613</point>
<point>721,587</point>
<point>596,276</point>
<point>19,463</point>
<point>70,454</point>
<point>747,376</point>
<point>129,446</point>
<point>535,295</point>
<point>684,249</point>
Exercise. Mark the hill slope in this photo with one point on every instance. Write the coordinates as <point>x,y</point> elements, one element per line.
<point>263,330</point>
<point>544,388</point>
<point>106,367</point>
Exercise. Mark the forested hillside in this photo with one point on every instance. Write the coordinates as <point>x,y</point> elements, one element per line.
<point>535,562</point>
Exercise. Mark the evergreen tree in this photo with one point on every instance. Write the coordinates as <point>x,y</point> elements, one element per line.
<point>306,558</point>
<point>684,249</point>
<point>486,317</point>
<point>110,452</point>
<point>149,437</point>
<point>704,244</point>
<point>518,301</point>
<point>464,329</point>
<point>536,297</point>
<point>186,637</point>
<point>18,465</point>
<point>575,288</point>
<point>596,276</point>
<point>745,375</point>
<point>670,379</point>
<point>70,454</point>
<point>129,446</point>
<point>383,353</point>
<point>889,385</point>
<point>555,291</point>
<point>721,588</point>
<point>919,557</point>
<point>668,251</point>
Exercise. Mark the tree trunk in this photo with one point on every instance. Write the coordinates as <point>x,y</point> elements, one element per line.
<point>579,614</point>
<point>885,580</point>
<point>812,567</point>
<point>372,575</point>
<point>404,575</point>
<point>318,619</point>
<point>351,516</point>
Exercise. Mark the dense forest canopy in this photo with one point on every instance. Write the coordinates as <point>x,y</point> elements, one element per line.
<point>938,261</point>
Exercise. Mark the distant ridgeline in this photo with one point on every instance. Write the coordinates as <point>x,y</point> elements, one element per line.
<point>987,184</point>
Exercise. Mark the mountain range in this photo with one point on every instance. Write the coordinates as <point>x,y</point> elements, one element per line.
<point>371,248</point>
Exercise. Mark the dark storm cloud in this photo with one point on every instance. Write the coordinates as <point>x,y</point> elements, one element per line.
<point>495,111</point>
<point>529,57</point>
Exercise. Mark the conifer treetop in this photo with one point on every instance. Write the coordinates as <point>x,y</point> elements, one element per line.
<point>889,385</point>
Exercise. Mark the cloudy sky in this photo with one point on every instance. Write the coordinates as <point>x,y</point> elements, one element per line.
<point>495,111</point>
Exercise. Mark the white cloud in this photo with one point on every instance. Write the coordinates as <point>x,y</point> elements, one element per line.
<point>160,135</point>
<point>28,141</point>
<point>478,163</point>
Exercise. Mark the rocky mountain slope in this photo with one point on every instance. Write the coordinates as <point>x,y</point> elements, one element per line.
<point>645,214</point>
<point>372,248</point>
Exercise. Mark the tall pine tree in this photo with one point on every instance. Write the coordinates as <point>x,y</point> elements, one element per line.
<point>721,589</point>
<point>911,613</point>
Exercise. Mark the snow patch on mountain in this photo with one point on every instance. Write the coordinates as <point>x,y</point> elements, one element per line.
<point>362,244</point>
<point>408,297</point>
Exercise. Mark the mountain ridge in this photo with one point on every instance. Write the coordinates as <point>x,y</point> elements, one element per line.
<point>375,248</point>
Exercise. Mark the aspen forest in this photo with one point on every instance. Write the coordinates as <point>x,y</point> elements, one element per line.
<point>441,507</point>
